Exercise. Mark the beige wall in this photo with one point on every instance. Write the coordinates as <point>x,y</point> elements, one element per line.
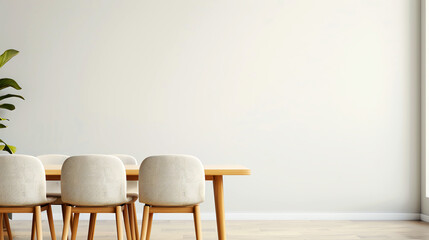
<point>319,98</point>
<point>424,199</point>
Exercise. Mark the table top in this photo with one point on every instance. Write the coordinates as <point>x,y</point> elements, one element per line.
<point>133,170</point>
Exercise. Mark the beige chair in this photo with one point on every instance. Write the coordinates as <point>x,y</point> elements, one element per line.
<point>171,184</point>
<point>23,190</point>
<point>94,184</point>
<point>132,191</point>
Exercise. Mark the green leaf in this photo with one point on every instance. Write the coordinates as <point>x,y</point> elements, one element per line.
<point>4,119</point>
<point>11,95</point>
<point>8,82</point>
<point>7,148</point>
<point>2,126</point>
<point>7,55</point>
<point>12,148</point>
<point>8,106</point>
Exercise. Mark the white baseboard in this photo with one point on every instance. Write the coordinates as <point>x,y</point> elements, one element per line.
<point>259,216</point>
<point>323,216</point>
<point>424,218</point>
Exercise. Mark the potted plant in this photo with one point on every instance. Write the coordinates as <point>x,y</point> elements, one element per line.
<point>6,83</point>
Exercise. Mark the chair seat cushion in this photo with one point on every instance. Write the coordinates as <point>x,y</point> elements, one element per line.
<point>47,201</point>
<point>53,194</point>
<point>177,204</point>
<point>128,200</point>
<point>56,195</point>
<point>50,200</point>
<point>133,196</point>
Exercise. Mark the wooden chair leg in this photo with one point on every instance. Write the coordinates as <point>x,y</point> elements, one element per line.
<point>145,222</point>
<point>91,229</point>
<point>33,227</point>
<point>119,229</point>
<point>63,210</point>
<point>7,223</point>
<point>71,222</point>
<point>38,213</point>
<point>66,219</point>
<point>127,222</point>
<point>131,217</point>
<point>1,227</point>
<point>197,221</point>
<point>51,222</point>
<point>149,226</point>
<point>136,225</point>
<point>75,223</point>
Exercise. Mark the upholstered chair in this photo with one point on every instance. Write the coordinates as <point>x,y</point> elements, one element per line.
<point>132,191</point>
<point>23,190</point>
<point>170,184</point>
<point>94,184</point>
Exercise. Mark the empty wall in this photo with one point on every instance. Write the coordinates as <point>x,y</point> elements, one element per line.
<point>319,98</point>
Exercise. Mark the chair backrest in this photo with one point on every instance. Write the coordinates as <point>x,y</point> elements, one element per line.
<point>171,180</point>
<point>22,180</point>
<point>52,159</point>
<point>93,180</point>
<point>126,159</point>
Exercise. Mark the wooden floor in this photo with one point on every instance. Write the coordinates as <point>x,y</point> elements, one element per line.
<point>261,230</point>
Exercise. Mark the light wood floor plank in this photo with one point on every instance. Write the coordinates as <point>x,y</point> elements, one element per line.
<point>253,230</point>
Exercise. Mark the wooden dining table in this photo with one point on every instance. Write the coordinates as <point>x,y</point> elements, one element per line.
<point>214,173</point>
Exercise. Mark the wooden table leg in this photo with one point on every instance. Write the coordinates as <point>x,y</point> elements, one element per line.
<point>220,207</point>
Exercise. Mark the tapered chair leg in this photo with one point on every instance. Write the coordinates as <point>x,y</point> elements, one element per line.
<point>1,227</point>
<point>38,213</point>
<point>71,223</point>
<point>145,222</point>
<point>197,221</point>
<point>66,225</point>
<point>136,225</point>
<point>75,224</point>
<point>119,229</point>
<point>131,217</point>
<point>91,229</point>
<point>63,212</point>
<point>149,226</point>
<point>33,227</point>
<point>63,209</point>
<point>7,224</point>
<point>127,223</point>
<point>51,222</point>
